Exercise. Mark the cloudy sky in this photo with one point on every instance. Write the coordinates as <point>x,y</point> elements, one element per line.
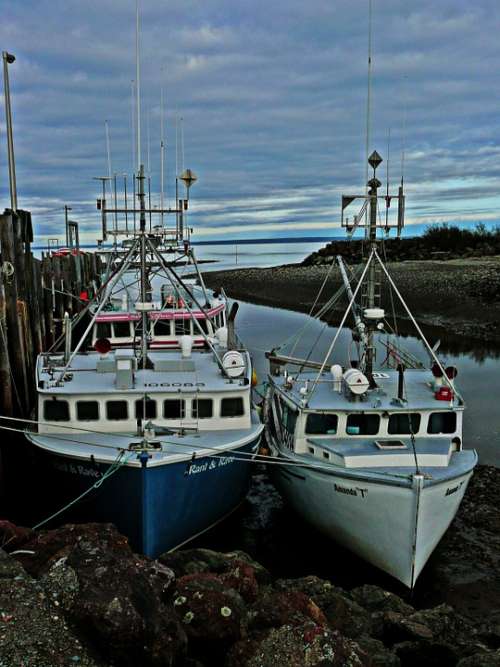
<point>272,97</point>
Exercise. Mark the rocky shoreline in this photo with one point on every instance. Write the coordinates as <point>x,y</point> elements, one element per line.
<point>461,296</point>
<point>78,595</point>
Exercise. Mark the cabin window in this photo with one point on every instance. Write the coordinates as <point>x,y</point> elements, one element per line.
<point>359,424</point>
<point>174,409</point>
<point>202,408</point>
<point>150,406</point>
<point>121,329</point>
<point>103,330</point>
<point>204,327</point>
<point>232,407</point>
<point>403,423</point>
<point>117,410</point>
<point>56,411</point>
<point>162,328</point>
<point>321,424</point>
<point>182,327</point>
<point>442,422</point>
<point>87,411</point>
<point>288,417</point>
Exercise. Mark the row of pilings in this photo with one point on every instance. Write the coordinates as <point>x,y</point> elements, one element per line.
<point>35,294</point>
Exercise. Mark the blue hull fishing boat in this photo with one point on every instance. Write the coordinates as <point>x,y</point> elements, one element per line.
<point>371,456</point>
<point>147,421</point>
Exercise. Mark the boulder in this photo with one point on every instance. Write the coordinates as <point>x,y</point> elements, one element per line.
<point>373,598</point>
<point>483,659</point>
<point>212,615</point>
<point>307,645</point>
<point>342,613</point>
<point>276,608</point>
<point>120,601</point>
<point>192,561</point>
<point>33,631</point>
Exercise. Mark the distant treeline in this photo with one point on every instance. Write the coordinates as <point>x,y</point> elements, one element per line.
<point>437,242</point>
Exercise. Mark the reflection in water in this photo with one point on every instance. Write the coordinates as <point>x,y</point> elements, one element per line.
<point>263,328</point>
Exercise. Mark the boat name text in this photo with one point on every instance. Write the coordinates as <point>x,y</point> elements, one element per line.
<point>453,489</point>
<point>196,468</point>
<point>77,470</point>
<point>349,491</point>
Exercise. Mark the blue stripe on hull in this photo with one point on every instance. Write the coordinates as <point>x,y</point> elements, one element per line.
<point>158,508</point>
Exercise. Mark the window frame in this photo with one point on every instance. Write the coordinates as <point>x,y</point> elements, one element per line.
<point>82,419</point>
<point>52,401</point>
<point>232,398</point>
<point>118,419</point>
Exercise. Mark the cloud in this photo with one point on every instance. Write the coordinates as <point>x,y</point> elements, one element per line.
<point>273,100</point>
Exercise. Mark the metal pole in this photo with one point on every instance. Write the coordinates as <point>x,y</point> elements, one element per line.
<point>162,159</point>
<point>66,209</point>
<point>138,86</point>
<point>8,59</point>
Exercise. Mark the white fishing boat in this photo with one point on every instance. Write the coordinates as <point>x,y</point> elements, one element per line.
<point>371,456</point>
<point>147,421</point>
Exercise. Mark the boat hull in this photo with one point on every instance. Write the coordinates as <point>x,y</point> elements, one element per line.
<point>158,507</point>
<point>394,527</point>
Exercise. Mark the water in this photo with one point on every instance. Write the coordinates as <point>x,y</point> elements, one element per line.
<point>255,254</point>
<point>262,328</point>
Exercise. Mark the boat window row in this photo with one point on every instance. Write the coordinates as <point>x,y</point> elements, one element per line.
<point>121,410</point>
<point>369,423</point>
<point>127,330</point>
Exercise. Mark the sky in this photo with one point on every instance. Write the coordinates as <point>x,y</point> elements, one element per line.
<point>270,99</point>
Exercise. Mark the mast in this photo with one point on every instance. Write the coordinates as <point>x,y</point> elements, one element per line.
<point>142,227</point>
<point>138,86</point>
<point>162,158</point>
<point>374,160</point>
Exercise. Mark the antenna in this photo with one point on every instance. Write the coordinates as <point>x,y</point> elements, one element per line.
<point>162,157</point>
<point>132,122</point>
<point>403,147</point>
<point>149,142</point>
<point>182,143</point>
<point>387,198</point>
<point>368,96</point>
<point>138,85</point>
<point>108,150</point>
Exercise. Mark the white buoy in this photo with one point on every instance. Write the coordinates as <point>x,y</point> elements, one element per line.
<point>356,381</point>
<point>186,346</point>
<point>374,313</point>
<point>337,375</point>
<point>221,336</point>
<point>233,363</point>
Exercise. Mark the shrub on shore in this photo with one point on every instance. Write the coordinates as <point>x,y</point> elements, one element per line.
<point>437,242</point>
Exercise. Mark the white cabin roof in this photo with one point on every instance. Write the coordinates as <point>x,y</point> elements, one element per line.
<point>199,373</point>
<point>419,393</point>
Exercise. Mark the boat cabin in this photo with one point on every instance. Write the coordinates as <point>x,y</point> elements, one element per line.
<point>336,425</point>
<point>166,325</point>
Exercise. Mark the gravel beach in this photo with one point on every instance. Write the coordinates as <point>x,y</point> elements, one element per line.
<point>461,295</point>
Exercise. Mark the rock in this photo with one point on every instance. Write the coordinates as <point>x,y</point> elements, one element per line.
<point>373,598</point>
<point>11,536</point>
<point>212,616</point>
<point>341,612</point>
<point>277,608</point>
<point>191,561</point>
<point>378,653</point>
<point>120,600</point>
<point>486,659</point>
<point>430,654</point>
<point>32,629</point>
<point>300,646</point>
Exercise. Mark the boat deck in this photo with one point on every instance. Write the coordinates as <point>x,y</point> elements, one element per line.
<point>105,447</point>
<point>419,393</point>
<point>95,374</point>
